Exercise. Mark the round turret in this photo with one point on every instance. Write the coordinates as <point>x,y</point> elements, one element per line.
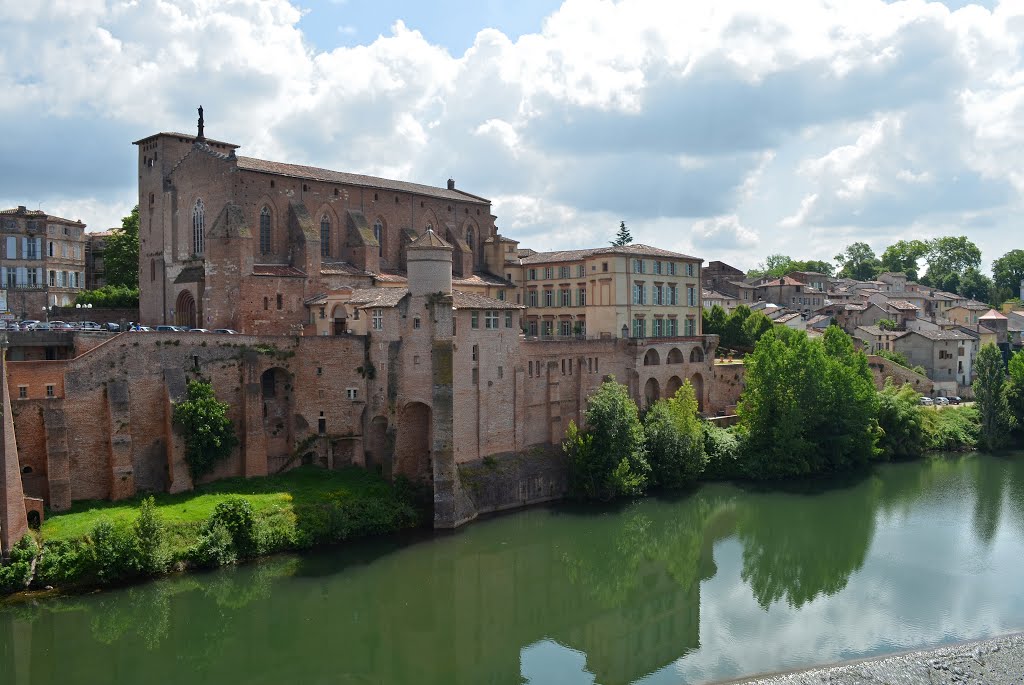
<point>429,264</point>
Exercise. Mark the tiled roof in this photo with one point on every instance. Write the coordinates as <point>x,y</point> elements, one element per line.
<point>575,255</point>
<point>992,315</point>
<point>91,235</point>
<point>344,268</point>
<point>186,136</point>
<point>786,318</point>
<point>902,305</point>
<point>377,297</point>
<point>974,306</point>
<point>37,214</point>
<point>820,318</point>
<point>429,239</point>
<point>343,178</point>
<point>484,278</point>
<point>391,277</point>
<point>715,295</point>
<point>876,331</point>
<point>473,301</point>
<point>940,335</point>
<point>280,270</point>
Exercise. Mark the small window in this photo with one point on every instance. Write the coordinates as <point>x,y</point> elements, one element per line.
<point>375,197</point>
<point>266,303</point>
<point>271,183</point>
<point>322,424</point>
<point>22,392</point>
<point>508,319</point>
<point>49,390</point>
<point>352,393</point>
<point>604,266</point>
<point>416,322</point>
<point>476,376</point>
<point>531,369</point>
<point>336,193</point>
<point>305,188</point>
<point>474,320</point>
<point>319,370</point>
<point>476,352</point>
<point>501,372</point>
<point>378,319</point>
<point>280,301</point>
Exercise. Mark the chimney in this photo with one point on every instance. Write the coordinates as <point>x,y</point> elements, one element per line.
<point>451,184</point>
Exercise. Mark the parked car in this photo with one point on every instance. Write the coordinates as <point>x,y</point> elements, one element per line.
<point>926,402</point>
<point>28,323</point>
<point>225,331</point>
<point>198,330</point>
<point>955,400</point>
<point>167,329</point>
<point>941,401</point>
<point>90,326</point>
<point>111,326</point>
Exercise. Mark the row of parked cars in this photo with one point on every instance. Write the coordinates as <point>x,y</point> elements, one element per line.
<point>182,329</point>
<point>939,401</point>
<point>34,325</point>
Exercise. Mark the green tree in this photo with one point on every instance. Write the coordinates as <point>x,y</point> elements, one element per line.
<point>209,435</point>
<point>901,422</point>
<point>623,237</point>
<point>714,320</point>
<point>733,336</point>
<point>950,256</point>
<point>755,326</point>
<point>773,265</point>
<point>1008,270</point>
<point>817,266</point>
<point>121,254</point>
<point>894,357</point>
<point>903,256</point>
<point>1015,391</point>
<point>858,261</point>
<point>610,460</point>
<point>110,296</point>
<point>887,324</point>
<point>149,529</point>
<point>975,285</point>
<point>675,439</point>
<point>991,397</point>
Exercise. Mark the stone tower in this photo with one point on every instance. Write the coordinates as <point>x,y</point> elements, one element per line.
<point>429,263</point>
<point>13,517</point>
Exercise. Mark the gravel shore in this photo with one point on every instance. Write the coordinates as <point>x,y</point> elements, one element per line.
<point>997,661</point>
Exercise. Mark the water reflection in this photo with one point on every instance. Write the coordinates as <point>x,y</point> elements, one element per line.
<point>549,595</point>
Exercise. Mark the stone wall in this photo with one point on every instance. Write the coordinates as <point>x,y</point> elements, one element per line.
<point>515,480</point>
<point>728,383</point>
<point>882,368</point>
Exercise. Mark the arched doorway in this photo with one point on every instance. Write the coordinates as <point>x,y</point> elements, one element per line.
<point>185,310</point>
<point>696,355</point>
<point>276,390</point>
<point>697,381</point>
<point>412,457</point>
<point>652,392</point>
<point>339,319</point>
<point>674,356</point>
<point>672,387</point>
<point>652,358</point>
<point>378,447</point>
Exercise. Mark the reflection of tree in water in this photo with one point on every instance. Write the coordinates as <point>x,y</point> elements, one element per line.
<point>989,484</point>
<point>1015,491</point>
<point>798,547</point>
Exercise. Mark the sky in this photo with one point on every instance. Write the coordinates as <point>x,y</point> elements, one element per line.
<point>723,130</point>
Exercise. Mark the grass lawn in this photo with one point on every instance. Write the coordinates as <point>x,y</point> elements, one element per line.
<point>273,498</point>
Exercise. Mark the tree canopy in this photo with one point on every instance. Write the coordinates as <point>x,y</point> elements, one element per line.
<point>903,256</point>
<point>991,398</point>
<point>1008,270</point>
<point>858,261</point>
<point>121,254</point>
<point>776,265</point>
<point>949,256</point>
<point>623,237</point>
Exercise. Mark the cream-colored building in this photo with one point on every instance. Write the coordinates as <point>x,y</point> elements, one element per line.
<point>631,291</point>
<point>43,261</point>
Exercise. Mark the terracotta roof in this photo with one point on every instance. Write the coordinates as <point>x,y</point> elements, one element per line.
<point>473,301</point>
<point>280,270</point>
<point>786,318</point>
<point>375,298</point>
<point>715,295</point>
<point>429,239</point>
<point>973,305</point>
<point>939,335</point>
<point>902,305</point>
<point>484,278</point>
<point>344,178</point>
<point>992,315</point>
<point>37,214</point>
<point>575,255</point>
<point>820,318</point>
<point>99,234</point>
<point>391,277</point>
<point>876,331</point>
<point>854,307</point>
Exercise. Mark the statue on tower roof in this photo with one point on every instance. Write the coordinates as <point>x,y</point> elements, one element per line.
<point>200,136</point>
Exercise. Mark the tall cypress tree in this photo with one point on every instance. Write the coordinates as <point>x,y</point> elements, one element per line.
<point>623,237</point>
<point>990,397</point>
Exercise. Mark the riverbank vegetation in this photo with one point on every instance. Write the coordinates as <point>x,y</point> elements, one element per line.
<point>809,408</point>
<point>217,524</point>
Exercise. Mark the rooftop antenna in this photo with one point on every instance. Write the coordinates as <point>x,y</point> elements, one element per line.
<point>200,138</point>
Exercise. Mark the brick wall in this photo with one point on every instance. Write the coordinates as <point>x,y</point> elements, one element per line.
<point>882,368</point>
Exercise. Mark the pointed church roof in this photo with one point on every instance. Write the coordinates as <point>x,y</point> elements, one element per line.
<point>429,240</point>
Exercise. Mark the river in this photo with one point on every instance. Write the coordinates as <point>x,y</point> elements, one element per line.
<point>719,583</point>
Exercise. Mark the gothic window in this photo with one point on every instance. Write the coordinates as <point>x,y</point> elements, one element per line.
<point>198,228</point>
<point>265,244</point>
<point>378,233</point>
<point>469,238</point>
<point>325,236</point>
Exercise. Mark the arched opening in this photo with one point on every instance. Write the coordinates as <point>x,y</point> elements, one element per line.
<point>339,319</point>
<point>198,227</point>
<point>378,447</point>
<point>696,355</point>
<point>276,389</point>
<point>34,520</point>
<point>471,244</point>
<point>697,381</point>
<point>378,233</point>
<point>652,358</point>
<point>672,387</point>
<point>675,356</point>
<point>266,231</point>
<point>185,310</point>
<point>652,392</point>
<point>325,236</point>
<point>412,457</point>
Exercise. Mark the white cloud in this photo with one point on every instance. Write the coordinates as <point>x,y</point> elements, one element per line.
<point>870,116</point>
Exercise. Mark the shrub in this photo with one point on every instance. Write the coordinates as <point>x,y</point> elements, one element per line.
<point>236,515</point>
<point>951,429</point>
<point>15,575</point>
<point>901,422</point>
<point>110,297</point>
<point>214,547</point>
<point>111,553</point>
<point>61,563</point>
<point>723,449</point>
<point>153,554</point>
<point>675,440</point>
<point>209,435</point>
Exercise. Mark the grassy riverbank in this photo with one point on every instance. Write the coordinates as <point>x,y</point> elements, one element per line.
<point>101,542</point>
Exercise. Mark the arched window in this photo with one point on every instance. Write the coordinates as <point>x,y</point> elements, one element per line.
<point>378,233</point>
<point>198,227</point>
<point>265,243</point>
<point>325,236</point>
<point>469,238</point>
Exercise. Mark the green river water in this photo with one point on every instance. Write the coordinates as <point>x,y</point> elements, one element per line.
<point>719,583</point>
